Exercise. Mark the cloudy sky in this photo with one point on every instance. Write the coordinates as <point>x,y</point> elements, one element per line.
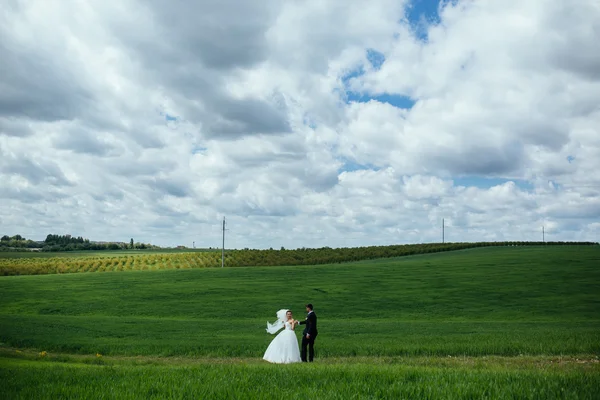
<point>303,122</point>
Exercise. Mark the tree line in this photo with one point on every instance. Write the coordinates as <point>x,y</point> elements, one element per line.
<point>65,243</point>
<point>233,258</point>
<point>327,255</point>
<point>248,257</point>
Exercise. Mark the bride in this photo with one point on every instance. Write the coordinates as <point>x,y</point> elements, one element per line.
<point>284,348</point>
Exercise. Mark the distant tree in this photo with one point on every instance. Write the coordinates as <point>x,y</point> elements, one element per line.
<point>51,239</point>
<point>5,238</point>
<point>131,243</point>
<point>17,237</point>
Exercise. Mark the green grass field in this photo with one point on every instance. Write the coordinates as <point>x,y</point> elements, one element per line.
<point>520,322</point>
<point>433,378</point>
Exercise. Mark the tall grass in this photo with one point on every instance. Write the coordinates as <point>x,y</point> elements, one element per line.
<point>46,380</point>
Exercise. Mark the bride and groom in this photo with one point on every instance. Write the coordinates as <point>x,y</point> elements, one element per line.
<point>284,348</point>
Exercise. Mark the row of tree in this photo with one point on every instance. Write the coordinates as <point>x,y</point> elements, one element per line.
<point>233,258</point>
<point>327,255</point>
<point>17,242</point>
<point>65,243</point>
<point>246,256</point>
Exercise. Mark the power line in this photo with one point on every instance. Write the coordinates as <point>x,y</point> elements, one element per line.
<point>443,231</point>
<point>543,235</point>
<point>223,248</point>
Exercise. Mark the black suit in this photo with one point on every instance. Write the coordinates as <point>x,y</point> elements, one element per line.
<point>311,330</point>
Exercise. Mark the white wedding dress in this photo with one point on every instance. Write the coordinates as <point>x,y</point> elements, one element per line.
<point>284,348</point>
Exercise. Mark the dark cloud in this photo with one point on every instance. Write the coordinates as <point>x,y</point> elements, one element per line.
<point>162,223</point>
<point>552,135</point>
<point>84,143</point>
<point>253,158</point>
<point>166,211</point>
<point>320,179</point>
<point>478,160</point>
<point>23,195</point>
<point>176,188</point>
<point>168,219</point>
<point>140,167</point>
<point>176,217</point>
<point>14,127</point>
<point>36,85</point>
<point>576,49</point>
<point>219,34</point>
<point>271,205</point>
<point>247,116</point>
<point>569,225</point>
<point>190,48</point>
<point>108,194</point>
<point>585,210</point>
<point>31,195</point>
<point>36,172</point>
<point>148,140</point>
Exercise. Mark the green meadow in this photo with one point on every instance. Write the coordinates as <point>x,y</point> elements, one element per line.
<point>502,322</point>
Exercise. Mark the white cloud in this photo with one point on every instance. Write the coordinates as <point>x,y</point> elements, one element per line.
<point>151,120</point>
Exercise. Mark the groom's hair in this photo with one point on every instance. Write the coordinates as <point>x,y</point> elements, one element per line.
<point>309,306</point>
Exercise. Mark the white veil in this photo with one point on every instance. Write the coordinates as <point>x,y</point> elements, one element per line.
<point>277,325</point>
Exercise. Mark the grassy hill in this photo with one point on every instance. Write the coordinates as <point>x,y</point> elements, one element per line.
<point>530,303</point>
<point>482,301</point>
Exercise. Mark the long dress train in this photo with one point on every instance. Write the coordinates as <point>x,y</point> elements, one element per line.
<point>284,348</point>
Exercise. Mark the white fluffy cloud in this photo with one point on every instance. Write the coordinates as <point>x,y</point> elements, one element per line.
<point>154,120</point>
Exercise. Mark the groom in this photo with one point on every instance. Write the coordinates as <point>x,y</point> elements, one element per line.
<point>310,334</point>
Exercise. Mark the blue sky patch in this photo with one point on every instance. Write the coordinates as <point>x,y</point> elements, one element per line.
<point>198,149</point>
<point>170,118</point>
<point>396,100</point>
<point>486,183</point>
<point>351,166</point>
<point>352,74</point>
<point>375,58</point>
<point>308,121</point>
<point>420,14</point>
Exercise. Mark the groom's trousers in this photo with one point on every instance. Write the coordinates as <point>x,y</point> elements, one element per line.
<point>310,343</point>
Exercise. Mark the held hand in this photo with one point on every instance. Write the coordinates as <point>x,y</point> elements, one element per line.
<point>307,336</point>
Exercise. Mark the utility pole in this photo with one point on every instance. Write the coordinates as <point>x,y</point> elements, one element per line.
<point>194,245</point>
<point>543,235</point>
<point>443,233</point>
<point>223,248</point>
